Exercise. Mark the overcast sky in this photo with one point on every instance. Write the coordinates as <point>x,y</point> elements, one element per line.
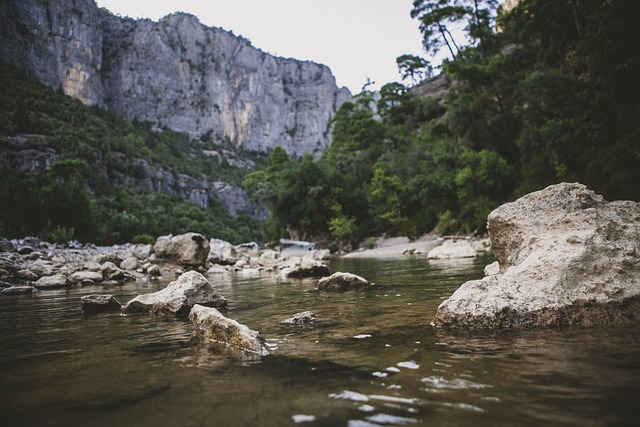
<point>357,39</point>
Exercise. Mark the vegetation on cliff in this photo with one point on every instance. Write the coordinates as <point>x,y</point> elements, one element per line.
<point>551,96</point>
<point>79,195</point>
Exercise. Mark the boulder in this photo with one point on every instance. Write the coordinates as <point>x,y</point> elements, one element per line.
<point>142,252</point>
<point>220,333</point>
<point>452,249</point>
<point>303,267</point>
<point>6,246</point>
<point>178,297</point>
<point>342,282</point>
<point>55,281</point>
<point>269,258</point>
<point>222,252</point>
<point>189,249</point>
<point>91,304</point>
<point>110,271</point>
<point>300,318</point>
<point>566,256</point>
<point>153,270</point>
<point>130,263</point>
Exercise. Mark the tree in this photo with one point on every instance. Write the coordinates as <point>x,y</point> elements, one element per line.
<point>413,67</point>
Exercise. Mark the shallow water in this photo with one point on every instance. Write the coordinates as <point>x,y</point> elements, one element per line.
<point>370,359</point>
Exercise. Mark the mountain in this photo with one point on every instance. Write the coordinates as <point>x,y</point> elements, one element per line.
<point>176,73</point>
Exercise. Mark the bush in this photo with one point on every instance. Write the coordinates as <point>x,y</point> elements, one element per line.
<point>143,239</point>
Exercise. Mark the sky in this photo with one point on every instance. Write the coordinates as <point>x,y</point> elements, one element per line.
<point>357,39</point>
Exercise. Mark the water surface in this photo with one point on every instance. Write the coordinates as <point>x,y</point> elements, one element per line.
<point>370,359</point>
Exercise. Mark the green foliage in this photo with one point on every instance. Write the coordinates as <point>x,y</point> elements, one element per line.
<point>77,197</point>
<point>144,239</point>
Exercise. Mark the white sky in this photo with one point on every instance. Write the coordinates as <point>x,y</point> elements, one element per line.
<point>357,39</point>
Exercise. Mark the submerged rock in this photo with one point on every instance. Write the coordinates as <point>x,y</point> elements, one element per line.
<point>342,282</point>
<point>566,256</point>
<point>18,290</point>
<point>220,333</point>
<point>178,297</point>
<point>300,318</point>
<point>91,304</point>
<point>189,249</point>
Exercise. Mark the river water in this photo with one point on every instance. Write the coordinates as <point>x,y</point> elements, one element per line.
<point>370,359</point>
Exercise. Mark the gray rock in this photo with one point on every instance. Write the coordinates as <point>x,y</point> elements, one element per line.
<point>92,304</point>
<point>303,267</point>
<point>342,282</point>
<point>55,281</point>
<point>190,249</point>
<point>220,333</point>
<point>178,297</point>
<point>222,252</point>
<point>6,246</point>
<point>27,275</point>
<point>129,264</point>
<point>18,290</point>
<point>300,318</point>
<point>110,271</point>
<point>566,257</point>
<point>153,270</point>
<point>142,252</point>
<point>86,277</point>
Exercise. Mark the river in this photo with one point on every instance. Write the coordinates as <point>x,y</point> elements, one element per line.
<point>371,358</point>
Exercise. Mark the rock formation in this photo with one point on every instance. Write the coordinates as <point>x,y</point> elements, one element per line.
<point>190,249</point>
<point>451,249</point>
<point>566,257</point>
<point>177,298</point>
<point>220,333</point>
<point>176,73</point>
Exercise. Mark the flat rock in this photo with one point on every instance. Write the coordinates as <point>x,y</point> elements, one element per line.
<point>217,332</point>
<point>452,249</point>
<point>565,256</point>
<point>91,304</point>
<point>55,281</point>
<point>342,281</point>
<point>178,297</point>
<point>86,277</point>
<point>18,290</point>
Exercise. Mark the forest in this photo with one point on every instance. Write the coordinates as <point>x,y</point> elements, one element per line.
<point>543,93</point>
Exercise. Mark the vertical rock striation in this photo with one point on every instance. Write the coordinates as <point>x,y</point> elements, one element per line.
<point>176,73</point>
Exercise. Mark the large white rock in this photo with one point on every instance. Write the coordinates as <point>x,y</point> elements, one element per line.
<point>342,281</point>
<point>178,297</point>
<point>220,333</point>
<point>189,249</point>
<point>566,257</point>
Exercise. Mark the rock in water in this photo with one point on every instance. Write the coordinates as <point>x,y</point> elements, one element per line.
<point>220,333</point>
<point>566,257</point>
<point>91,304</point>
<point>342,282</point>
<point>178,297</point>
<point>300,318</point>
<point>189,249</point>
<point>452,249</point>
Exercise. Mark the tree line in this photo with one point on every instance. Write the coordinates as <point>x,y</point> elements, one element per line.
<point>543,93</point>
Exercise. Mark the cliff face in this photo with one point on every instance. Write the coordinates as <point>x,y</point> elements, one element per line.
<point>176,73</point>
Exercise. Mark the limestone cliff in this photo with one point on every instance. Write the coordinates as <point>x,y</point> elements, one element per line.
<point>176,72</point>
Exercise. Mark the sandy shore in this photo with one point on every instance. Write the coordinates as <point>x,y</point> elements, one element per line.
<point>397,247</point>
